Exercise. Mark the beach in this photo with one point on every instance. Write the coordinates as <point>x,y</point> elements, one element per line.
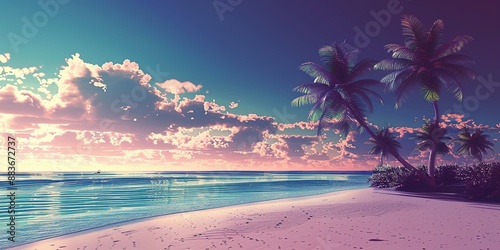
<point>355,219</point>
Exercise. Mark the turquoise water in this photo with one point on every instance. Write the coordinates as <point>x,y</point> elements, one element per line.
<point>49,205</point>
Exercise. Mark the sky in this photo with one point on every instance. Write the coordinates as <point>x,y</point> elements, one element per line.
<point>207,85</point>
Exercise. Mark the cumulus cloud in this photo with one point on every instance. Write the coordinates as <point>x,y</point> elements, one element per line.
<point>113,107</point>
<point>174,86</point>
<point>113,114</point>
<point>22,102</point>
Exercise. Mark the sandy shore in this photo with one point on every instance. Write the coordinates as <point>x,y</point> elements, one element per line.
<point>359,219</point>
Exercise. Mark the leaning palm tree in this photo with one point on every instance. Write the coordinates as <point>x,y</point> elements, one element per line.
<point>383,143</point>
<point>424,63</point>
<point>432,138</point>
<point>339,99</point>
<point>474,144</point>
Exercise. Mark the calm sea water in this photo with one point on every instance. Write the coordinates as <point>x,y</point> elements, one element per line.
<point>54,204</point>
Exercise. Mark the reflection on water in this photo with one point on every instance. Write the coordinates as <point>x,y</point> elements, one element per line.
<point>54,204</point>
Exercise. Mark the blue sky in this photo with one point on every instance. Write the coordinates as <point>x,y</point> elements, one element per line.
<point>250,57</point>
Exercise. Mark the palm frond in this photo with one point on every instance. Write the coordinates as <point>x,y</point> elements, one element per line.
<point>361,68</point>
<point>341,64</point>
<point>458,70</point>
<point>318,73</point>
<point>399,51</point>
<point>371,93</point>
<point>393,64</point>
<point>455,59</point>
<point>453,46</point>
<point>326,54</point>
<point>475,144</point>
<point>414,31</point>
<point>405,88</point>
<point>435,35</point>
<point>304,100</point>
<point>339,101</point>
<point>450,82</point>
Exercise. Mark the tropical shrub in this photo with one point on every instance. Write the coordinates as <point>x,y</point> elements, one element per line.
<point>398,177</point>
<point>413,180</point>
<point>385,176</point>
<point>482,181</point>
<point>447,175</point>
<point>404,179</point>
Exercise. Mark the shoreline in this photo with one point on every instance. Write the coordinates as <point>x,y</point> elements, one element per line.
<point>350,219</point>
<point>138,220</point>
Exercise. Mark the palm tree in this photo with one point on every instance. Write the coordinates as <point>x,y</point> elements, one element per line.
<point>474,144</point>
<point>432,138</point>
<point>339,99</point>
<point>383,143</point>
<point>424,63</point>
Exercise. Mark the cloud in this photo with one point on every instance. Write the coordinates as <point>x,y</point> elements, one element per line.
<point>22,102</point>
<point>302,125</point>
<point>233,105</point>
<point>16,76</point>
<point>112,114</point>
<point>174,86</point>
<point>402,131</point>
<point>4,58</point>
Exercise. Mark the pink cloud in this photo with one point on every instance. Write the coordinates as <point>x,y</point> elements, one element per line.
<point>176,87</point>
<point>233,105</point>
<point>93,116</point>
<point>22,102</point>
<point>302,125</point>
<point>402,131</point>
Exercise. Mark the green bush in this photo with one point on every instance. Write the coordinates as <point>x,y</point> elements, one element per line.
<point>447,175</point>
<point>385,176</point>
<point>482,181</point>
<point>397,177</point>
<point>413,180</point>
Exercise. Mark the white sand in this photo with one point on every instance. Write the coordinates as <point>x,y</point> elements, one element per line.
<point>359,219</point>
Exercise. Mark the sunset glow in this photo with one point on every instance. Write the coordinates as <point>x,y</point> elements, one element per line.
<point>171,86</point>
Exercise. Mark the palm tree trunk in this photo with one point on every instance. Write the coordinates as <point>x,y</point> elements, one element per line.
<point>410,167</point>
<point>432,168</point>
<point>436,112</point>
<point>432,156</point>
<point>396,154</point>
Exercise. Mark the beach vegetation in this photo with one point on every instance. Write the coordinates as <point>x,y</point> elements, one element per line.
<point>482,181</point>
<point>477,182</point>
<point>426,64</point>
<point>383,143</point>
<point>341,100</point>
<point>475,144</point>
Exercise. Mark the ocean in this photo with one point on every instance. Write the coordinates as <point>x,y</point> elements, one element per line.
<point>54,204</point>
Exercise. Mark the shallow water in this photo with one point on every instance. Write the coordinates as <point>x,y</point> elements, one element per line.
<point>53,204</point>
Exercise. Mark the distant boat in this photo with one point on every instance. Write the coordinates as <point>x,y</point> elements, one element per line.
<point>98,172</point>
